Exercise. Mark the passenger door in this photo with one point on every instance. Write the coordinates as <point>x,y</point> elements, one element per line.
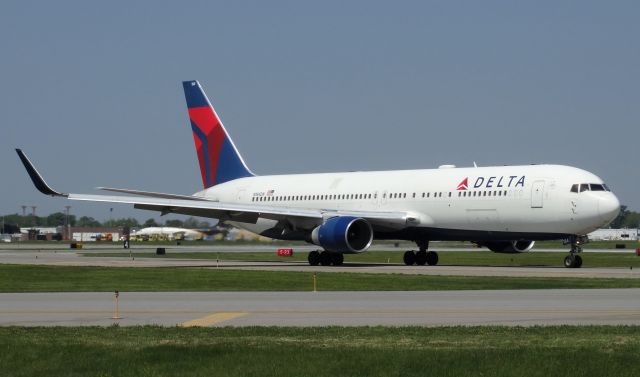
<point>537,194</point>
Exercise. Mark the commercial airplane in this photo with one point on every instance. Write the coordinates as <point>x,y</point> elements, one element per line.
<point>504,208</point>
<point>171,233</point>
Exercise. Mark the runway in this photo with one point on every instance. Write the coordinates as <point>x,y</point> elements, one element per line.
<point>58,257</point>
<point>508,307</point>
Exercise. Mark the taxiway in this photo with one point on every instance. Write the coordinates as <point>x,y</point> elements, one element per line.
<point>498,307</point>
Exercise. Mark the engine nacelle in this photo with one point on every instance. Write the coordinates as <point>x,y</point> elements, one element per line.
<point>519,246</point>
<point>344,234</point>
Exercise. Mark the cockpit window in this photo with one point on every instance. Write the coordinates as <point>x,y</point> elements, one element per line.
<point>589,187</point>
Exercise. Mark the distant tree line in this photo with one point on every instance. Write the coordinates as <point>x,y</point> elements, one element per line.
<point>54,219</point>
<point>58,219</point>
<point>626,219</point>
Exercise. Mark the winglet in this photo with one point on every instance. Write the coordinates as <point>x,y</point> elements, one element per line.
<point>37,179</point>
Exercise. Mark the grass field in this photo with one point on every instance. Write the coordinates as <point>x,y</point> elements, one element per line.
<point>333,351</point>
<point>27,278</point>
<point>450,258</point>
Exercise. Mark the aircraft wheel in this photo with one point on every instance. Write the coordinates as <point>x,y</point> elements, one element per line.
<point>314,258</point>
<point>569,261</point>
<point>337,259</point>
<point>578,262</point>
<point>432,258</point>
<point>421,258</point>
<point>409,258</point>
<point>325,258</point>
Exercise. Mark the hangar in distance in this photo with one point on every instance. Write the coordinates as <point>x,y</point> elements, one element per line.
<point>505,208</point>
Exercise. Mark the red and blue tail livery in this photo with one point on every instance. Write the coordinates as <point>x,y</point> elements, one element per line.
<point>218,157</point>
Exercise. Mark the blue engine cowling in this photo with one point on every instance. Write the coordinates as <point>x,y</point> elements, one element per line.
<point>343,234</point>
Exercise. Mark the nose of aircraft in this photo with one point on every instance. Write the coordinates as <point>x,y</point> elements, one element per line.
<point>608,207</point>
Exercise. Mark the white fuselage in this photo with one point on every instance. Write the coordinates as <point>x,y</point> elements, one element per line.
<point>534,200</point>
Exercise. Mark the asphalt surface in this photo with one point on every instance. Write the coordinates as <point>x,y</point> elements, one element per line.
<point>509,307</point>
<point>65,257</point>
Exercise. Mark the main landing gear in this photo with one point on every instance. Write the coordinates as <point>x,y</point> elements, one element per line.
<point>573,260</point>
<point>422,256</point>
<point>325,258</point>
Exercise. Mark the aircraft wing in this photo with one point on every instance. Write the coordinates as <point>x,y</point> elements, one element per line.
<point>151,193</point>
<point>196,206</point>
<point>207,208</point>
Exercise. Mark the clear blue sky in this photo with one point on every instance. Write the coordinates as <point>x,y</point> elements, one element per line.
<point>91,90</point>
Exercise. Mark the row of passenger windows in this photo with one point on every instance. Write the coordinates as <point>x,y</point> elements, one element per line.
<point>482,193</point>
<point>403,195</point>
<point>311,197</point>
<point>581,187</point>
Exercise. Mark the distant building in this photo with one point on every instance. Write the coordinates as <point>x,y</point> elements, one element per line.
<point>40,229</point>
<point>76,233</point>
<point>39,234</point>
<point>614,235</point>
<point>89,234</point>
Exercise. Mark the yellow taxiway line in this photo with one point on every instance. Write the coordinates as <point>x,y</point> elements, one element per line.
<point>213,319</point>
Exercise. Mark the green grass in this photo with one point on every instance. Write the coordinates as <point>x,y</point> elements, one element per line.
<point>333,351</point>
<point>28,278</point>
<point>447,258</point>
<point>630,245</point>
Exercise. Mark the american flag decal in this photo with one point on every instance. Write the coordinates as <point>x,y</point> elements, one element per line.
<point>270,192</point>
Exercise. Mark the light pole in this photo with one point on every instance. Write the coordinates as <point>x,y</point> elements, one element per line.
<point>66,223</point>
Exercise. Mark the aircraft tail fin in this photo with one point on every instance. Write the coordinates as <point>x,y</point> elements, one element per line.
<point>219,159</point>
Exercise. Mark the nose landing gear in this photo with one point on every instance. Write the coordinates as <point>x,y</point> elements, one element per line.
<point>573,260</point>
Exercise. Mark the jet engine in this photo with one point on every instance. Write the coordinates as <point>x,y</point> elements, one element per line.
<point>519,246</point>
<point>344,234</point>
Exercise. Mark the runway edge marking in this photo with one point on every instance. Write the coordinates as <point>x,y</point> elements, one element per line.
<point>213,319</point>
